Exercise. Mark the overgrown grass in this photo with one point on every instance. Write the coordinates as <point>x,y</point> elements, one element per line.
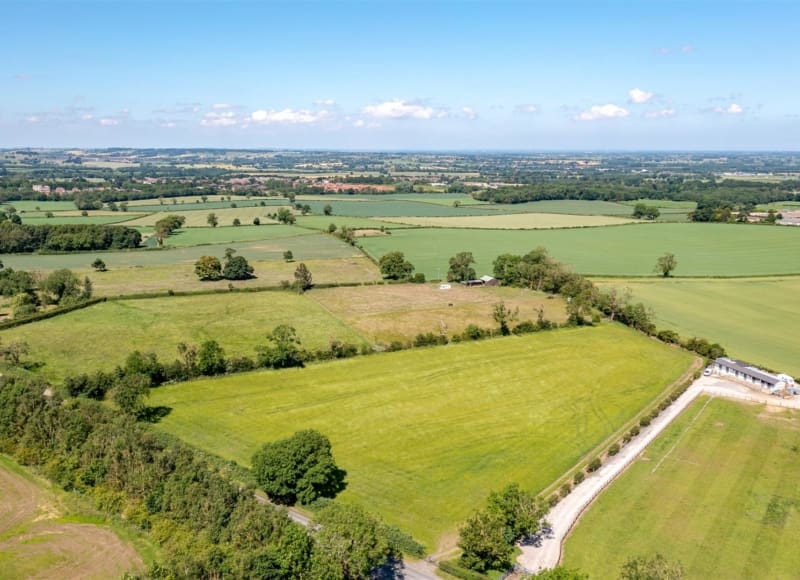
<point>426,434</point>
<point>724,501</point>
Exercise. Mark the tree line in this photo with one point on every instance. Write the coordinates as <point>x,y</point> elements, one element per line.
<point>24,238</point>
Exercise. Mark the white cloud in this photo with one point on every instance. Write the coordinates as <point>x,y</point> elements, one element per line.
<point>359,123</point>
<point>662,114</point>
<point>168,124</point>
<point>687,49</point>
<point>288,116</point>
<point>638,96</point>
<point>598,112</point>
<point>32,119</point>
<point>324,103</point>
<point>527,108</point>
<point>399,109</point>
<point>225,119</point>
<point>732,109</point>
<point>108,122</point>
<point>469,113</point>
<point>221,106</point>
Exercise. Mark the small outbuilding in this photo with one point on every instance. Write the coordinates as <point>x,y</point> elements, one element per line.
<point>490,281</point>
<point>746,372</point>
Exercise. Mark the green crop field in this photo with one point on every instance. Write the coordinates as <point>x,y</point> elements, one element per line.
<point>632,250</point>
<point>516,221</point>
<point>35,205</point>
<point>377,206</point>
<point>425,434</point>
<point>569,206</point>
<point>716,491</point>
<point>228,234</point>
<point>756,319</point>
<point>311,246</point>
<point>102,335</point>
<point>664,203</point>
<point>62,218</point>
<point>321,222</point>
<point>193,204</point>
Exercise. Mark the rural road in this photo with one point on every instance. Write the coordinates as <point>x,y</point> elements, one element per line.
<point>564,515</point>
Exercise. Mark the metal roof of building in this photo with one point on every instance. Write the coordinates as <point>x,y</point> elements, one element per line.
<point>748,369</point>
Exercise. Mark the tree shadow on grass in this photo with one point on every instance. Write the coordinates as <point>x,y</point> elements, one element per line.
<point>154,414</point>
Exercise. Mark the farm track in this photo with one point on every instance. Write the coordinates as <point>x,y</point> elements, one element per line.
<point>547,551</point>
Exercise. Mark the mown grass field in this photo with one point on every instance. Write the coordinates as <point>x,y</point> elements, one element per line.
<point>425,434</point>
<point>101,336</point>
<point>724,502</point>
<point>628,250</point>
<point>44,534</point>
<point>568,206</point>
<point>756,319</point>
<point>517,221</point>
<point>70,218</point>
<point>321,222</point>
<point>268,230</point>
<point>384,313</point>
<point>304,244</point>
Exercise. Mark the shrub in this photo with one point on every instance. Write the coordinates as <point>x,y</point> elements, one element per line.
<point>634,431</point>
<point>645,421</point>
<point>553,500</point>
<point>579,477</point>
<point>429,339</point>
<point>239,364</point>
<point>525,327</point>
<point>594,465</point>
<point>473,332</point>
<point>565,489</point>
<point>614,449</point>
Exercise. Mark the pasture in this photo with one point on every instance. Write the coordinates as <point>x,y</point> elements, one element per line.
<point>716,491</point>
<point>516,221</point>
<point>756,319</point>
<point>101,336</point>
<point>42,535</point>
<point>199,218</point>
<point>425,434</point>
<point>628,250</point>
<point>305,244</point>
<point>321,222</point>
<point>385,313</point>
<point>182,278</point>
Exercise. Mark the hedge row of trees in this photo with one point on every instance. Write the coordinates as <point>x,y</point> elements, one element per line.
<point>615,188</point>
<point>17,238</point>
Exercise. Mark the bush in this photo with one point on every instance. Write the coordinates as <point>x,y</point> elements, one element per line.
<point>634,431</point>
<point>565,489</point>
<point>418,278</point>
<point>579,477</point>
<point>594,465</point>
<point>429,339</point>
<point>401,542</point>
<point>614,449</point>
<point>644,421</point>
<point>525,327</point>
<point>239,364</point>
<point>474,332</point>
<point>455,570</point>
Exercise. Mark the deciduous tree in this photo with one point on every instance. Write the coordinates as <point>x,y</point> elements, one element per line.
<point>394,266</point>
<point>461,267</point>
<point>298,469</point>
<point>666,264</point>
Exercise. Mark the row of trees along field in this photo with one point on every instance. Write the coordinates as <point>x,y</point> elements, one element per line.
<point>23,238</point>
<point>615,188</point>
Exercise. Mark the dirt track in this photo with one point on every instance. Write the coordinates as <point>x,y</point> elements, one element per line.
<point>37,545</point>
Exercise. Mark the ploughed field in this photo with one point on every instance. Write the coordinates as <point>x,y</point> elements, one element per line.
<point>41,536</point>
<point>628,250</point>
<point>716,491</point>
<point>425,434</point>
<point>755,319</point>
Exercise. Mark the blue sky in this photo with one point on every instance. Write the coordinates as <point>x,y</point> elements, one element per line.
<point>402,75</point>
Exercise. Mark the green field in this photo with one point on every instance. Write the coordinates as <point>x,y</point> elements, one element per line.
<point>229,234</point>
<point>101,336</point>
<point>756,319</point>
<point>32,205</point>
<point>321,222</point>
<point>664,204</point>
<point>425,434</point>
<point>517,221</point>
<point>57,219</point>
<point>632,250</point>
<point>570,206</point>
<point>724,502</point>
<point>305,244</point>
